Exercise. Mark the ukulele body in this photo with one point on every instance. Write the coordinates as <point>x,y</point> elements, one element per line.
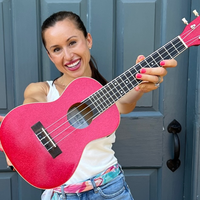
<point>29,156</point>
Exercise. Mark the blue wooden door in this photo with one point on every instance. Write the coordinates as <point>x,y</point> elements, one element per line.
<point>121,30</point>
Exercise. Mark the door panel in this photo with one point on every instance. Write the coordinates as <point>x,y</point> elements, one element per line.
<point>25,33</point>
<point>131,25</point>
<point>143,142</point>
<point>143,183</point>
<point>7,182</point>
<point>121,30</point>
<point>135,141</point>
<point>6,76</point>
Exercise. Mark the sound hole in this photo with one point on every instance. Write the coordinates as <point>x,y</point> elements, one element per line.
<point>80,115</point>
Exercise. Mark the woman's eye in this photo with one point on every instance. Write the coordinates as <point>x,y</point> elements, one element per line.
<point>56,50</point>
<point>72,43</point>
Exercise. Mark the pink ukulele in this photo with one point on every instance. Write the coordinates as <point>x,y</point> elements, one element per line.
<point>45,141</point>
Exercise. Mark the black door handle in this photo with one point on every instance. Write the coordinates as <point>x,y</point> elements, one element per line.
<point>174,127</point>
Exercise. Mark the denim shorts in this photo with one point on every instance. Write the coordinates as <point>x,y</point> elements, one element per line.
<point>116,189</point>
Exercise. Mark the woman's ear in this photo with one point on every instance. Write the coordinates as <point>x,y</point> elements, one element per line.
<point>89,40</point>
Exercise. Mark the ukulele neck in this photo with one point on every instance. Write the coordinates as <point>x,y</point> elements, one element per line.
<point>118,87</point>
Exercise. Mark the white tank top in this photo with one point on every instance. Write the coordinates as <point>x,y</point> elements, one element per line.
<point>97,155</point>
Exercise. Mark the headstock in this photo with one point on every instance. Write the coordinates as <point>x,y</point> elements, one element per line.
<point>191,33</point>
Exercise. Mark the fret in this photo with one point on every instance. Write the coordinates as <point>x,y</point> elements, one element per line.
<point>110,91</point>
<point>181,48</point>
<point>109,100</point>
<point>105,105</point>
<point>178,46</point>
<point>94,102</point>
<point>151,62</point>
<point>137,67</point>
<point>132,78</point>
<point>106,98</point>
<point>97,101</point>
<point>113,87</point>
<point>157,57</point>
<point>121,80</point>
<point>98,98</point>
<point>172,49</point>
<point>108,94</point>
<point>94,107</point>
<point>169,55</point>
<point>143,64</point>
<point>118,87</point>
<point>177,42</point>
<point>129,80</point>
<point>101,99</point>
<point>163,53</point>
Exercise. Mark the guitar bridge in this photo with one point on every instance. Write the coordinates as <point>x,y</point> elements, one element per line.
<point>46,140</point>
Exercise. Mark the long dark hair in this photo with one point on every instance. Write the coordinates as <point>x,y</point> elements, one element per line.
<point>60,16</point>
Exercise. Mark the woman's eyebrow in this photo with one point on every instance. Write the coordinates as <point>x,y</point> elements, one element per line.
<point>71,37</point>
<point>58,45</point>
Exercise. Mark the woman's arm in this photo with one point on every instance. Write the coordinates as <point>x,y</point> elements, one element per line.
<point>149,76</point>
<point>36,92</point>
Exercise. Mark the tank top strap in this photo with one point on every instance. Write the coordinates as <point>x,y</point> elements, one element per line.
<point>53,93</point>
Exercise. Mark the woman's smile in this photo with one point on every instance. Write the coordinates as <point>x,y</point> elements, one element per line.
<point>74,65</point>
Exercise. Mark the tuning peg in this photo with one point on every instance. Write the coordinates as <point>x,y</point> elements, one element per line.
<point>185,21</point>
<point>196,13</point>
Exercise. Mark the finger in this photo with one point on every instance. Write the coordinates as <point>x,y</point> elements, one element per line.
<point>157,71</point>
<point>8,161</point>
<point>1,148</point>
<point>1,118</point>
<point>168,63</point>
<point>147,87</point>
<point>150,78</point>
<point>140,58</point>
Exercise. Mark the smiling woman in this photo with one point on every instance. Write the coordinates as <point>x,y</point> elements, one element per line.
<point>98,174</point>
<point>68,49</point>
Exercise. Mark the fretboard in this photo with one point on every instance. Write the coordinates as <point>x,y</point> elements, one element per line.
<point>122,84</point>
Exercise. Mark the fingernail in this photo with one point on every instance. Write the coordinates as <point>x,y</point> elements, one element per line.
<point>138,76</point>
<point>162,63</point>
<point>143,70</point>
<point>137,88</point>
<point>141,57</point>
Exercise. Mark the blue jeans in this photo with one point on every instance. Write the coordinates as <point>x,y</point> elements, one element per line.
<point>117,189</point>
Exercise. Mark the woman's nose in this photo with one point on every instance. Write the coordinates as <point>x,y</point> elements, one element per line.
<point>68,54</point>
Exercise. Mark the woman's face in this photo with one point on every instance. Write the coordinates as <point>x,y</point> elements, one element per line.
<point>68,49</point>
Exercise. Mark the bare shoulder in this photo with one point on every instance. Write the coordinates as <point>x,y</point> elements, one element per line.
<point>41,87</point>
<point>36,92</point>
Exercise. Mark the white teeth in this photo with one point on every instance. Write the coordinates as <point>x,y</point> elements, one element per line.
<point>73,64</point>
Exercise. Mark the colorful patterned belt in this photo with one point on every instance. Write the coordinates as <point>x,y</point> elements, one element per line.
<point>100,179</point>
